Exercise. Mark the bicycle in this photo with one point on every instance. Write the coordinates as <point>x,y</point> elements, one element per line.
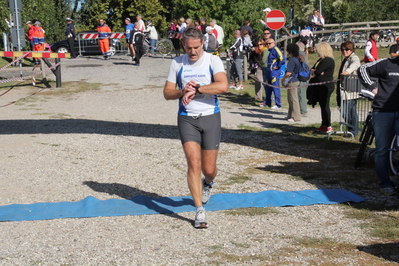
<point>367,138</point>
<point>163,47</point>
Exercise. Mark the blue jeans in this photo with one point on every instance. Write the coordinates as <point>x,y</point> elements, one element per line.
<point>236,69</point>
<point>349,109</point>
<point>385,125</point>
<point>153,42</point>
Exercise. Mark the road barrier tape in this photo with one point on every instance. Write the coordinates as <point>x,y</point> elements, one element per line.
<point>90,36</point>
<point>35,54</point>
<point>19,58</point>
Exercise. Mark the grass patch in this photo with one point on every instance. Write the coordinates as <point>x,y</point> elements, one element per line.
<point>378,219</point>
<point>252,211</point>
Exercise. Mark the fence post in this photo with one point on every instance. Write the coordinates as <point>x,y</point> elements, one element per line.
<point>245,66</point>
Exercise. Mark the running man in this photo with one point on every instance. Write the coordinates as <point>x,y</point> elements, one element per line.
<point>196,78</point>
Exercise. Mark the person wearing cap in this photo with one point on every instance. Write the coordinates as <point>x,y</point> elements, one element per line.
<point>210,41</point>
<point>152,35</point>
<point>103,38</point>
<point>71,36</point>
<point>29,35</point>
<point>129,28</point>
<point>38,40</point>
<point>394,49</point>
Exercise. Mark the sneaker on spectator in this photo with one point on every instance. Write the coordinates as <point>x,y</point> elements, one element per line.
<point>201,220</point>
<point>233,86</point>
<point>206,191</point>
<point>389,191</point>
<point>324,129</point>
<point>262,104</point>
<point>275,107</point>
<point>240,87</point>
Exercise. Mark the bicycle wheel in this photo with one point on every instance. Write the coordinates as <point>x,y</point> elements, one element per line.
<point>164,47</point>
<point>394,156</point>
<point>366,139</point>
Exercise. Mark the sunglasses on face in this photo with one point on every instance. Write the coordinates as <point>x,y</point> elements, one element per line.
<point>345,49</point>
<point>270,43</point>
<point>266,33</point>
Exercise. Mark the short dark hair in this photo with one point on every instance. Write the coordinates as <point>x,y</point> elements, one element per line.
<point>193,33</point>
<point>293,49</point>
<point>348,45</point>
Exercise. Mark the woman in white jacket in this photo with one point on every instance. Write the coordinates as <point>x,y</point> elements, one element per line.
<point>152,35</point>
<point>346,97</point>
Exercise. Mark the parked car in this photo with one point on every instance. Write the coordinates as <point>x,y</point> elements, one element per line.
<point>87,46</point>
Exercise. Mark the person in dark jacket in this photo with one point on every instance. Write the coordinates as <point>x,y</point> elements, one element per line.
<point>322,71</point>
<point>71,36</point>
<point>385,113</point>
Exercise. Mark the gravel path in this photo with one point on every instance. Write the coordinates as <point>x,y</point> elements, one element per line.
<point>121,141</point>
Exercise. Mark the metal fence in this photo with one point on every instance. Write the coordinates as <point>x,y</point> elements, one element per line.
<point>353,108</point>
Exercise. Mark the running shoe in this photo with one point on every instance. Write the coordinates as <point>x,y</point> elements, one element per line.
<point>262,104</point>
<point>389,191</point>
<point>275,107</point>
<point>201,220</point>
<point>206,191</point>
<point>324,129</point>
<point>234,86</point>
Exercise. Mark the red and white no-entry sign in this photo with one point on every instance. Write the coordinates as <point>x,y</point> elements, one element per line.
<point>275,20</point>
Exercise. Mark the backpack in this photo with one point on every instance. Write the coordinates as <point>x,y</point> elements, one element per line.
<point>304,72</point>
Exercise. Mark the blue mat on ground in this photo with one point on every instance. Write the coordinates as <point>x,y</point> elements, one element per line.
<point>140,205</point>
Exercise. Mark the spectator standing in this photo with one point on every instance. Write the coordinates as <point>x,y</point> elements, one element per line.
<point>267,34</point>
<point>394,49</point>
<point>137,41</point>
<point>141,22</point>
<point>197,25</point>
<point>152,35</point>
<point>38,40</point>
<point>349,66</point>
<point>29,35</point>
<point>315,21</point>
<point>246,26</point>
<point>291,82</point>
<point>175,36</point>
<point>212,25</point>
<point>104,33</point>
<point>261,56</point>
<point>385,113</point>
<point>237,62</point>
<point>322,71</point>
<point>271,74</point>
<point>371,50</point>
<point>303,102</point>
<point>203,25</point>
<point>71,36</point>
<point>199,121</point>
<point>306,37</point>
<point>129,28</point>
<point>190,23</point>
<point>182,25</point>
<point>220,32</point>
<point>210,41</point>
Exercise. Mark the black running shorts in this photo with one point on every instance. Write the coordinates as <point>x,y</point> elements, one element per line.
<point>205,130</point>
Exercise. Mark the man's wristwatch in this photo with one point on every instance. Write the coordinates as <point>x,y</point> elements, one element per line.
<point>197,89</point>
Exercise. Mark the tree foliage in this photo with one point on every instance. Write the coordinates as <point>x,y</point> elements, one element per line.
<point>229,14</point>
